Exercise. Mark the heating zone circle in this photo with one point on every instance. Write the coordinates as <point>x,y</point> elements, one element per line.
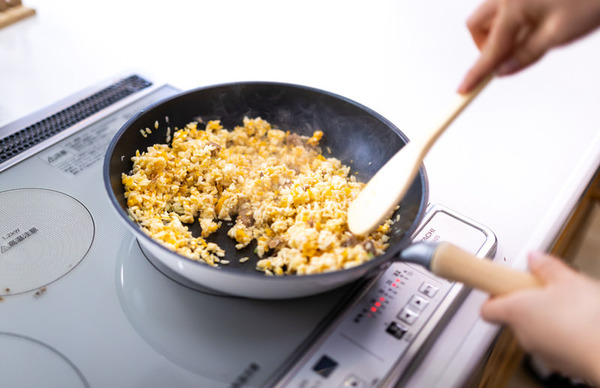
<point>44,234</point>
<point>38,364</point>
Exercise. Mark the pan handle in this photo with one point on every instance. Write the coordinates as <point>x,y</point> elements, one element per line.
<point>453,263</point>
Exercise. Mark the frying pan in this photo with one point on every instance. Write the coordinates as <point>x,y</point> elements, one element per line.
<point>353,133</point>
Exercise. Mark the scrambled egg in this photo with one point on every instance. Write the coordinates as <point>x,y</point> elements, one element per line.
<point>276,186</point>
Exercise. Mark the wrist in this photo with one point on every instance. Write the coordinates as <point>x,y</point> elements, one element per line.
<point>592,362</point>
<point>594,374</point>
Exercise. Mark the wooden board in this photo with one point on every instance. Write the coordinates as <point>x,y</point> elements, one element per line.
<point>14,14</point>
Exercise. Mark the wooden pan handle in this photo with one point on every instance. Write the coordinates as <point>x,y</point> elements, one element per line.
<point>453,263</point>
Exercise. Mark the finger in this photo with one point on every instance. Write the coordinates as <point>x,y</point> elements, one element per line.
<point>499,46</point>
<point>480,22</point>
<point>473,77</point>
<point>547,268</point>
<point>502,40</point>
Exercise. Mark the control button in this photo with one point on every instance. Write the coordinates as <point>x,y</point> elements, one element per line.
<point>428,289</point>
<point>325,366</point>
<point>407,315</point>
<point>418,302</point>
<point>353,382</point>
<point>396,330</point>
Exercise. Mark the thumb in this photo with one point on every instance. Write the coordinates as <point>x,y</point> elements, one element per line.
<point>497,309</point>
<point>547,268</point>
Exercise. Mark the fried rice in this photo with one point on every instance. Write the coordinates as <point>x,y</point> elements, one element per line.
<point>276,187</point>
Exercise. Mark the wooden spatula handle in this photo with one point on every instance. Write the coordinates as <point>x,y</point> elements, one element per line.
<point>459,104</point>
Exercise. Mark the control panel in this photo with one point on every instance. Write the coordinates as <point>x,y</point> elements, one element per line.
<point>374,340</point>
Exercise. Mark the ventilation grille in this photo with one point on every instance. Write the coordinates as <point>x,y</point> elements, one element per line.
<point>22,140</point>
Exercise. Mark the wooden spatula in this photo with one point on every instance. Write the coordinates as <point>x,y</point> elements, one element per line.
<point>385,190</point>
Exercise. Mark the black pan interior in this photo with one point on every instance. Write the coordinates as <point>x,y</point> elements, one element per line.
<point>354,134</point>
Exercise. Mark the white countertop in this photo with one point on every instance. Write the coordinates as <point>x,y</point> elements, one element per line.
<point>516,161</point>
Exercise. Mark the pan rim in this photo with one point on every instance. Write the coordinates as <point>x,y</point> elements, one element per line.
<point>388,256</point>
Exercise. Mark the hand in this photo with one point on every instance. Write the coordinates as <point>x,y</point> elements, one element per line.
<point>513,34</point>
<point>557,323</point>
